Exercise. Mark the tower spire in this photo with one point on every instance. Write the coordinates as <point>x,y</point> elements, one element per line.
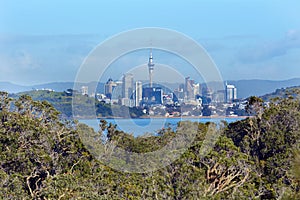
<point>150,67</point>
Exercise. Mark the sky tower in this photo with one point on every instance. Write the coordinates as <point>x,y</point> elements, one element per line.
<point>150,67</point>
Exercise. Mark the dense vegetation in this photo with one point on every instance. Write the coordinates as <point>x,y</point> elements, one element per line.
<point>43,157</point>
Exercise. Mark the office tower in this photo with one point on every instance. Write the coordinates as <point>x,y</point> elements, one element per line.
<point>138,93</point>
<point>179,93</point>
<point>196,89</point>
<point>127,86</point>
<point>118,90</point>
<point>109,87</point>
<point>152,95</point>
<point>207,95</point>
<point>188,88</point>
<point>218,96</point>
<point>151,68</point>
<point>231,93</point>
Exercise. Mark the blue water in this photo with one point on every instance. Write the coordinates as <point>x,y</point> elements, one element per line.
<point>139,127</point>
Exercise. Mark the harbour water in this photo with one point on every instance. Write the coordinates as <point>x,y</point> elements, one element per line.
<point>143,126</point>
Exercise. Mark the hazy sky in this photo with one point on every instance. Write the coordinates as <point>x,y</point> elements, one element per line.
<point>46,41</point>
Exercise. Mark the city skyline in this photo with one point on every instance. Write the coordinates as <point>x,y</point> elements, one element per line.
<point>38,46</point>
<point>133,92</point>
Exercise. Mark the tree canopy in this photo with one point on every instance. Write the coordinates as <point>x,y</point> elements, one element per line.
<point>42,156</point>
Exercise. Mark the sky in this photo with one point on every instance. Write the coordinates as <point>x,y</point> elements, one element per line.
<point>47,41</point>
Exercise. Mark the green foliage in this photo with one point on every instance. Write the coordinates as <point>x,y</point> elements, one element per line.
<point>44,157</point>
<point>34,145</point>
<point>270,138</point>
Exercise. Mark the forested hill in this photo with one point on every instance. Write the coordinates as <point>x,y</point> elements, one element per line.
<point>281,93</point>
<point>43,157</point>
<point>62,101</point>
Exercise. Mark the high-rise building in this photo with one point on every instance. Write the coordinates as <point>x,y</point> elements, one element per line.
<point>188,88</point>
<point>230,93</point>
<point>109,87</point>
<point>127,85</point>
<point>152,95</point>
<point>196,89</point>
<point>138,93</point>
<point>207,95</point>
<point>218,96</point>
<point>118,90</point>
<point>151,68</point>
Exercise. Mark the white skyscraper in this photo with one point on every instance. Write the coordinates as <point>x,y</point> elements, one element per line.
<point>196,89</point>
<point>138,93</point>
<point>231,93</point>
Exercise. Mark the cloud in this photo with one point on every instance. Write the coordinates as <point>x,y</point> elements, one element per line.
<point>25,60</point>
<point>214,46</point>
<point>269,50</point>
<point>43,58</point>
<point>17,61</point>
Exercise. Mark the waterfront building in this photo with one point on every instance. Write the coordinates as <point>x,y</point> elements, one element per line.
<point>84,90</point>
<point>127,102</point>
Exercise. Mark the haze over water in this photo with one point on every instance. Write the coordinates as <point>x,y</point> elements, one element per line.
<point>139,127</point>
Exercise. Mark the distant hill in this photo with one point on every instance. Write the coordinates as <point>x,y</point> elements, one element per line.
<point>56,86</point>
<point>246,88</point>
<point>13,88</point>
<point>281,93</point>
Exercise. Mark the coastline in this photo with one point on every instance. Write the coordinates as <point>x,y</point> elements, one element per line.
<point>180,117</point>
